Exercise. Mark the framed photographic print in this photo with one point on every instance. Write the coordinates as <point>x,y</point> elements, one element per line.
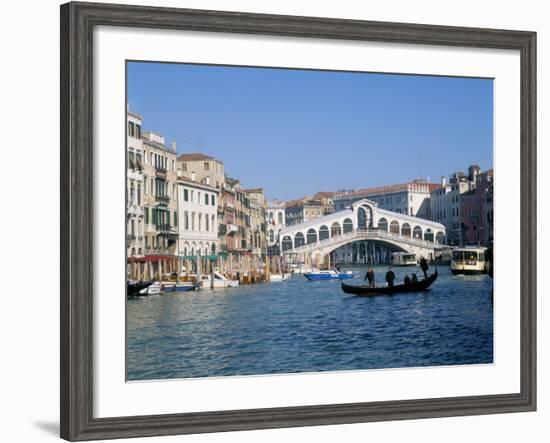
<point>273,221</point>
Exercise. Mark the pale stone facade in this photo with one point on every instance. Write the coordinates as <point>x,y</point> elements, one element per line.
<point>160,195</point>
<point>198,215</point>
<point>134,187</point>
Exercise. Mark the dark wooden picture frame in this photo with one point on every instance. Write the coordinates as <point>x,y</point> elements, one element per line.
<point>77,217</point>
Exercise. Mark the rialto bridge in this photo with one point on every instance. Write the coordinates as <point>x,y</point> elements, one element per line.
<point>356,228</point>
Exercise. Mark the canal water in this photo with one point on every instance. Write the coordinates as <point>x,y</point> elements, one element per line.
<point>302,326</point>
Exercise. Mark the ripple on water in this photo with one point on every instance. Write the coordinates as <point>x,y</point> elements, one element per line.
<point>301,326</point>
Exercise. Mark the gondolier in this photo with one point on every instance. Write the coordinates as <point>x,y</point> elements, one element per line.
<point>390,277</point>
<point>424,266</point>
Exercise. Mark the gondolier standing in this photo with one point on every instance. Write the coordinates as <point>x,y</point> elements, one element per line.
<point>424,266</point>
<point>370,277</point>
<point>390,277</point>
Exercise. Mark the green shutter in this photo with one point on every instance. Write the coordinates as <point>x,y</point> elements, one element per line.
<point>175,218</point>
<point>155,217</point>
<point>146,216</point>
<point>168,218</point>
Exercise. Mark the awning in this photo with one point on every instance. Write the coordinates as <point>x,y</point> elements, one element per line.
<point>151,258</point>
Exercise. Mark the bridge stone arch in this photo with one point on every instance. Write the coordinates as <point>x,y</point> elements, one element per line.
<point>335,229</point>
<point>286,243</point>
<point>429,235</point>
<point>440,237</point>
<point>364,216</point>
<point>406,230</point>
<point>311,236</point>
<point>324,232</point>
<point>394,227</point>
<point>347,225</point>
<point>383,224</point>
<point>417,232</point>
<point>299,240</point>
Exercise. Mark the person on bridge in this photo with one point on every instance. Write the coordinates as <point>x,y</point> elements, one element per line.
<point>390,277</point>
<point>424,266</point>
<point>370,277</point>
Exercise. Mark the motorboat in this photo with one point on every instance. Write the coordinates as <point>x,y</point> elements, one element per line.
<point>403,259</point>
<point>133,288</point>
<point>280,277</point>
<point>330,274</point>
<point>469,260</point>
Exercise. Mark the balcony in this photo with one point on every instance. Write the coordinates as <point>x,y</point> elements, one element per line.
<point>162,198</point>
<point>130,237</point>
<point>231,228</point>
<point>160,171</point>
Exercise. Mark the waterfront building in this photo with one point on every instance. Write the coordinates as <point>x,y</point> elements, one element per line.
<point>412,198</point>
<point>456,205</point>
<point>198,218</point>
<point>238,236</point>
<point>202,168</point>
<point>275,220</point>
<point>160,195</point>
<point>135,246</point>
<point>472,210</point>
<point>258,226</point>
<point>205,169</point>
<point>305,209</point>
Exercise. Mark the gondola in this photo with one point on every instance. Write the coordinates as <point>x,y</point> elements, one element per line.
<point>365,290</point>
<point>134,287</point>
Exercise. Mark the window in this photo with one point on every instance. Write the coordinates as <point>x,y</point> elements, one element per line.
<point>192,195</point>
<point>207,223</point>
<point>206,166</point>
<point>206,199</point>
<point>138,131</point>
<point>174,165</point>
<point>186,220</point>
<point>131,129</point>
<point>175,218</point>
<point>186,195</point>
<point>213,200</point>
<point>146,215</point>
<point>184,167</point>
<point>139,194</point>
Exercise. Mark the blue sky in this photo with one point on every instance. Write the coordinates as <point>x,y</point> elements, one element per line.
<point>296,132</point>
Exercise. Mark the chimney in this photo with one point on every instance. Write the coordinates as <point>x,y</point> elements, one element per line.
<point>193,177</point>
<point>174,145</point>
<point>443,181</point>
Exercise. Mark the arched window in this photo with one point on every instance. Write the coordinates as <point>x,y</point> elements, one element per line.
<point>440,237</point>
<point>406,230</point>
<point>417,232</point>
<point>335,229</point>
<point>311,236</point>
<point>323,233</point>
<point>271,236</point>
<point>429,235</point>
<point>299,240</point>
<point>348,225</point>
<point>286,243</point>
<point>394,227</point>
<point>213,248</point>
<point>383,224</point>
<point>280,218</point>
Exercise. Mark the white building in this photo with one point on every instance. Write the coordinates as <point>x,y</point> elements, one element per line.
<point>134,187</point>
<point>275,218</point>
<point>411,198</point>
<point>198,218</point>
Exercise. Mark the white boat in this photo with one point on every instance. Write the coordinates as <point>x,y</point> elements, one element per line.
<point>279,277</point>
<point>469,260</point>
<point>403,259</point>
<point>220,281</point>
<point>296,268</point>
<point>155,288</point>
